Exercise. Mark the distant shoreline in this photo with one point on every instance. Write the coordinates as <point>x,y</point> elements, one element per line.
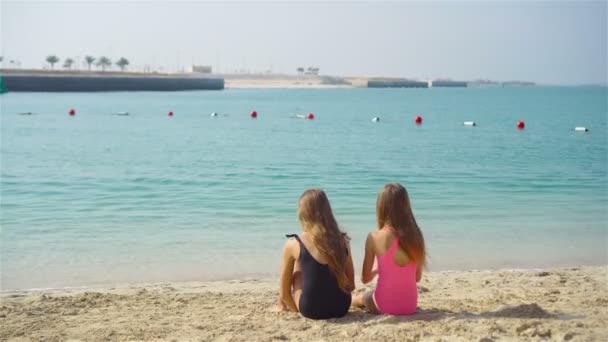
<point>187,81</point>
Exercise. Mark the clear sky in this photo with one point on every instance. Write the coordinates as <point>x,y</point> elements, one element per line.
<point>547,42</point>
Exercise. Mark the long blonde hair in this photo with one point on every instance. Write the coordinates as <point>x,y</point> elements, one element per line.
<point>318,220</point>
<point>393,209</point>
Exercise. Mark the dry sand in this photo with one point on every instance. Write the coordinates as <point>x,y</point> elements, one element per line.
<point>279,81</point>
<point>562,304</point>
<point>279,84</point>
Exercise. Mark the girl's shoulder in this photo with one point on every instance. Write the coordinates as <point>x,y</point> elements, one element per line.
<point>292,247</point>
<point>379,240</point>
<point>380,234</point>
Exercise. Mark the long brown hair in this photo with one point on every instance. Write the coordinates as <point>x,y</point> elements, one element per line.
<point>318,220</point>
<point>393,209</point>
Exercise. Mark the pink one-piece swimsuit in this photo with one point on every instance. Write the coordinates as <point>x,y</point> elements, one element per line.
<point>396,292</point>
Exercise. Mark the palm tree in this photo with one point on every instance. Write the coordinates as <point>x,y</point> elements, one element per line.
<point>68,63</point>
<point>300,70</point>
<point>104,62</point>
<point>52,59</point>
<point>122,63</point>
<point>89,60</point>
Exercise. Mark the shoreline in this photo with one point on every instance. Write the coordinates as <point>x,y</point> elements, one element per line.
<point>257,279</point>
<point>557,304</point>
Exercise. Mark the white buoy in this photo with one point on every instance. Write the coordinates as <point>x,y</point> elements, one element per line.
<point>376,119</point>
<point>122,113</point>
<point>214,114</point>
<point>470,123</point>
<point>300,116</point>
<point>581,129</point>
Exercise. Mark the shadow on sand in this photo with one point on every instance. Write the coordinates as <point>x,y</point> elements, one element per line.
<point>522,311</point>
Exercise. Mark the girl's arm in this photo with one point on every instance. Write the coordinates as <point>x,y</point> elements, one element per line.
<point>287,263</point>
<point>367,274</point>
<point>418,273</point>
<point>350,268</point>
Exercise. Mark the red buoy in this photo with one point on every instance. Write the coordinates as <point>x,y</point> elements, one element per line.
<point>310,116</point>
<point>253,114</point>
<point>170,114</point>
<point>418,119</point>
<point>72,112</point>
<point>521,125</point>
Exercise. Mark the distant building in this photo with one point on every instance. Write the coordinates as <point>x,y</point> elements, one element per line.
<point>483,83</point>
<point>518,83</point>
<point>312,71</point>
<point>202,69</point>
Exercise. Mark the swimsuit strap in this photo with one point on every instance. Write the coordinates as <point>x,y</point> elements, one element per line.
<point>395,244</point>
<point>303,249</point>
<point>302,244</point>
<point>294,236</point>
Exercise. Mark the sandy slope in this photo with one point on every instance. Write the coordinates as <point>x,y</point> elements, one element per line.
<point>563,304</point>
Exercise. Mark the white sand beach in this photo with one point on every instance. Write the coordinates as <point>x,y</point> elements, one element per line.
<point>280,81</point>
<point>562,305</point>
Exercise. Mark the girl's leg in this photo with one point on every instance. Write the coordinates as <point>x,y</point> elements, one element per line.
<point>357,299</point>
<point>296,287</point>
<point>296,291</point>
<point>365,300</point>
<point>281,306</point>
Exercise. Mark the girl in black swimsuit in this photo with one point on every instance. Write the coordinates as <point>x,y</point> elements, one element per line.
<point>317,274</point>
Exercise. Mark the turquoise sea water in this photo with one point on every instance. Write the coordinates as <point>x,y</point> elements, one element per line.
<point>105,199</point>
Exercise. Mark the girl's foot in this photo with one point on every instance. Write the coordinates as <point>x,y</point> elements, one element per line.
<point>281,306</point>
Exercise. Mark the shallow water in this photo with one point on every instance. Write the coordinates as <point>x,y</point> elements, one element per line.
<point>102,199</point>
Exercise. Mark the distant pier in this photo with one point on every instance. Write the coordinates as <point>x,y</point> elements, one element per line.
<point>76,82</point>
<point>449,84</point>
<point>396,84</point>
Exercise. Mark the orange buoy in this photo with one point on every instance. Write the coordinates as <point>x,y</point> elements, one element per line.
<point>521,125</point>
<point>253,114</point>
<point>310,116</point>
<point>418,119</point>
<point>72,112</point>
<point>170,114</point>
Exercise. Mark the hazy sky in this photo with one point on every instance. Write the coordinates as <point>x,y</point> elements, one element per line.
<point>547,42</point>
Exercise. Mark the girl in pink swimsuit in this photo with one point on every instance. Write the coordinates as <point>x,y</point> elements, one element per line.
<point>398,247</point>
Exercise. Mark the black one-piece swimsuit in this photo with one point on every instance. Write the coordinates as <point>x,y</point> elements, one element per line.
<point>321,296</point>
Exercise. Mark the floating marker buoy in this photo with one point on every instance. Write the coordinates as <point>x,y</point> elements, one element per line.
<point>375,119</point>
<point>581,129</point>
<point>122,113</point>
<point>418,119</point>
<point>253,114</point>
<point>170,114</point>
<point>72,112</point>
<point>521,125</point>
<point>214,114</point>
<point>469,123</point>
<point>310,116</point>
